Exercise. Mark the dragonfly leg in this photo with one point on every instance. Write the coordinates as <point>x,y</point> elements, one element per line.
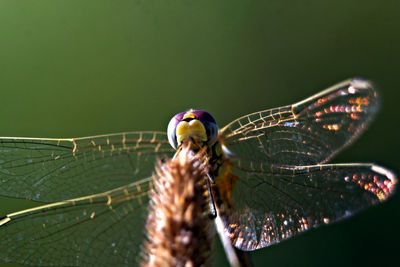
<point>210,178</point>
<point>213,210</point>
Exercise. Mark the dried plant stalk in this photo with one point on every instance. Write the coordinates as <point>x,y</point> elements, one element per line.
<point>178,224</point>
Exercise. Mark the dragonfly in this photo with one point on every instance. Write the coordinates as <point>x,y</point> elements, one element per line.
<point>270,177</point>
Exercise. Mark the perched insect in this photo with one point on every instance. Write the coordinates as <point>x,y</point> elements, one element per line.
<point>268,179</point>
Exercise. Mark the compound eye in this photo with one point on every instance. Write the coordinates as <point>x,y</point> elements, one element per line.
<point>212,132</point>
<point>171,130</point>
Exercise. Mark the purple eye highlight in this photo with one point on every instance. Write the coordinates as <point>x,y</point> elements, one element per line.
<point>202,116</point>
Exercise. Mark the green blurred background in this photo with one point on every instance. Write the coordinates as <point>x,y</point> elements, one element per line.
<point>77,68</point>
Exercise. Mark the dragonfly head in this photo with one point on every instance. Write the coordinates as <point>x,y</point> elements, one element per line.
<point>197,126</point>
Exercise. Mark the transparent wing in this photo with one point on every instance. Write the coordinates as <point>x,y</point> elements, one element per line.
<point>308,132</point>
<point>49,170</point>
<point>277,203</point>
<point>99,230</point>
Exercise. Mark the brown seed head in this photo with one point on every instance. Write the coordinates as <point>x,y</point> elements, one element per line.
<point>178,224</point>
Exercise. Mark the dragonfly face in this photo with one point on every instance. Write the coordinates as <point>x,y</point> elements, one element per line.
<point>276,180</point>
<point>197,126</point>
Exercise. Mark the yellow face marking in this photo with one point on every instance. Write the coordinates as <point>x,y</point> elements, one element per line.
<point>193,129</point>
<point>189,115</point>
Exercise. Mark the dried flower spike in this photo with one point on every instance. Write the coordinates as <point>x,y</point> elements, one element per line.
<point>178,224</point>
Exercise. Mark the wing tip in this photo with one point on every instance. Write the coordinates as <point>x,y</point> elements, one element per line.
<point>361,83</point>
<point>391,185</point>
<point>381,170</point>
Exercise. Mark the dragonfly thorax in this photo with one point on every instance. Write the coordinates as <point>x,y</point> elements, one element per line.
<point>197,126</point>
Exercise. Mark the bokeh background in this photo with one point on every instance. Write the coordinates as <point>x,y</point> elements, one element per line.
<point>77,68</point>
